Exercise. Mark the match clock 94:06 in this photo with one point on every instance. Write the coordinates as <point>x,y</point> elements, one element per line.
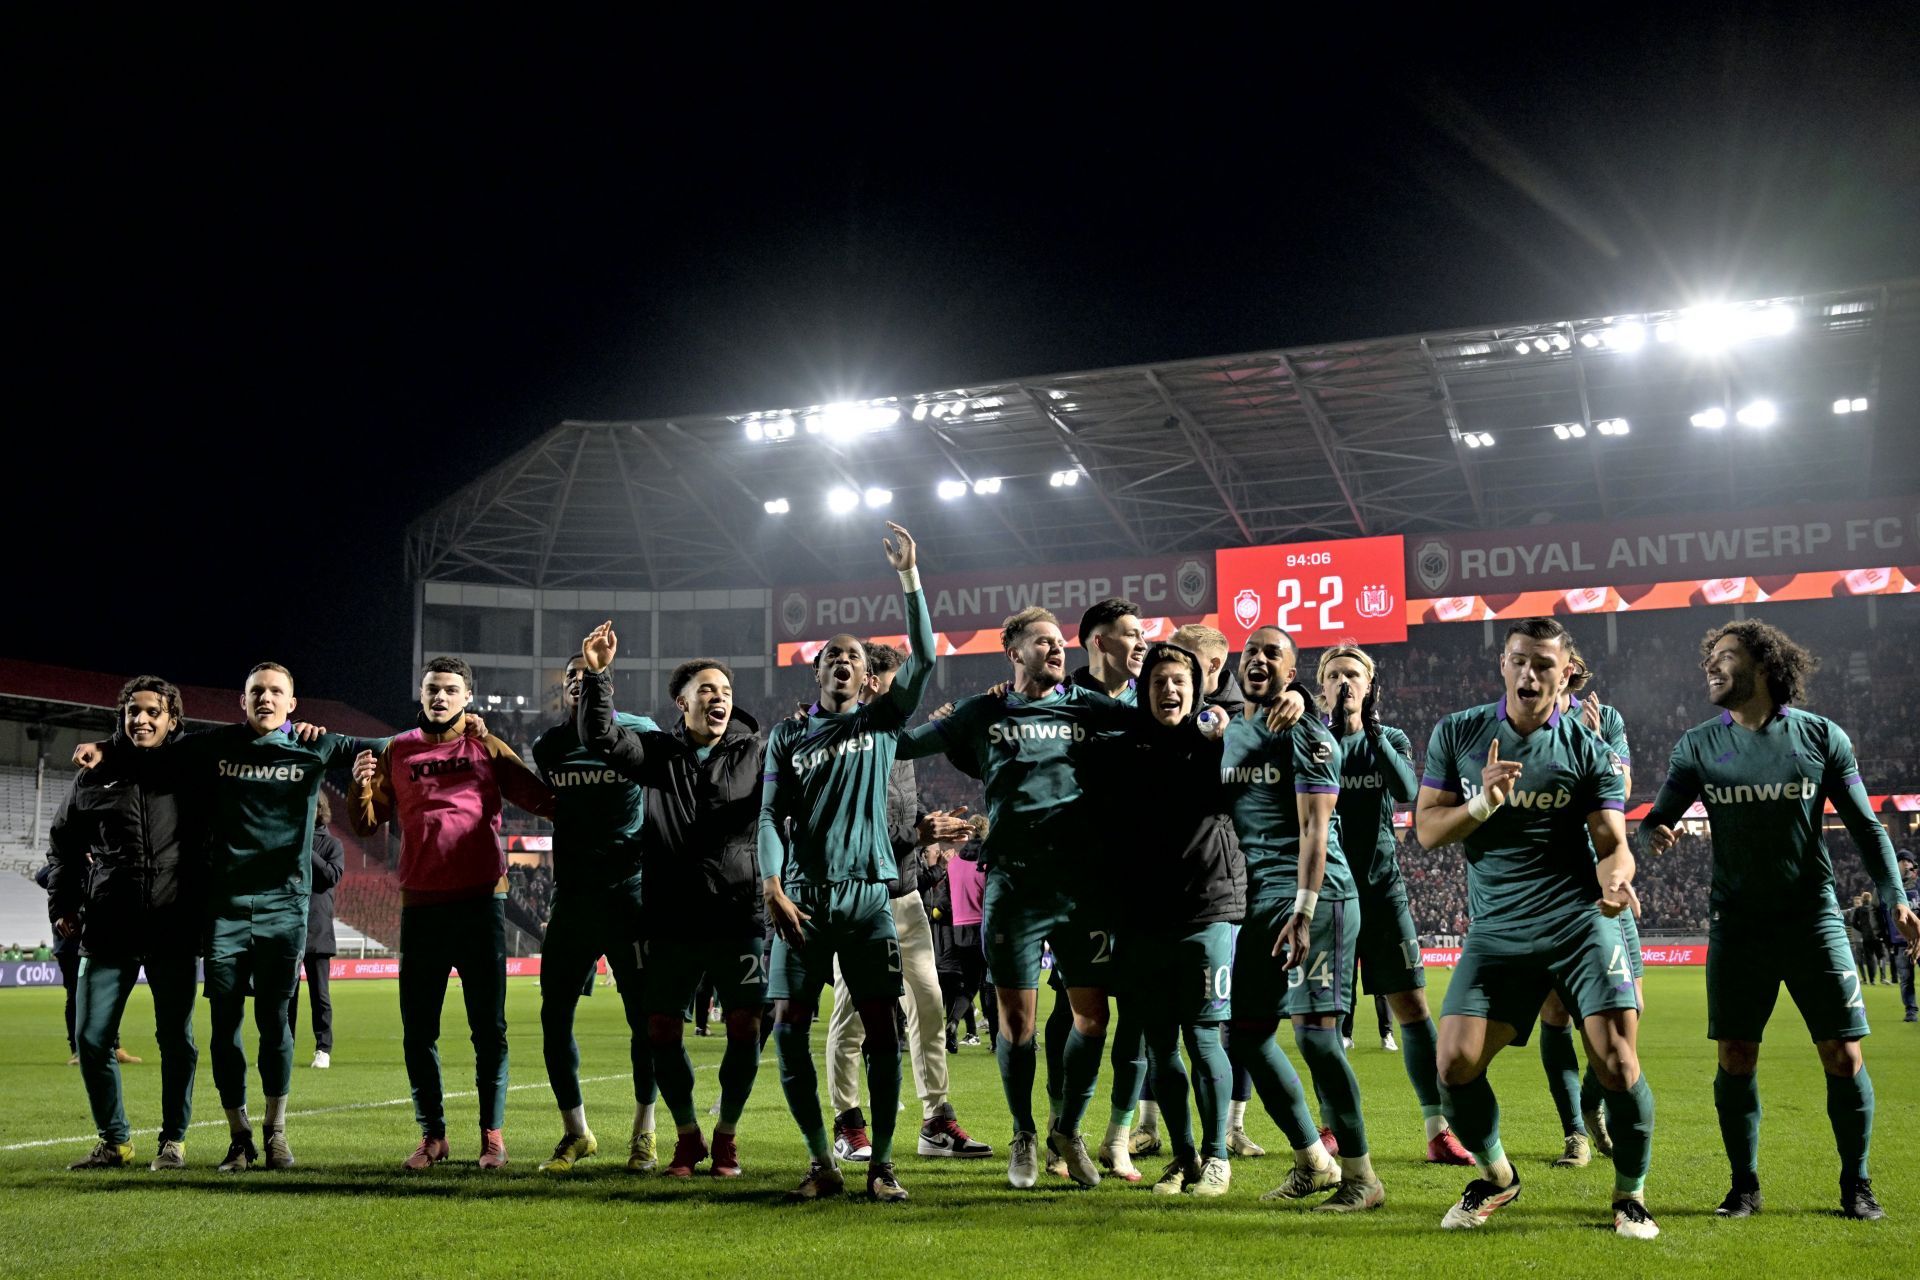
<point>1319,593</point>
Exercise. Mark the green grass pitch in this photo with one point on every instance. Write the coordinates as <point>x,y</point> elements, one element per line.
<point>347,1210</point>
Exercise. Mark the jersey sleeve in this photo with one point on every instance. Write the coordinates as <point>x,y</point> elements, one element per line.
<point>1394,752</point>
<point>772,848</point>
<point>1679,791</point>
<point>1316,762</point>
<point>903,699</point>
<point>952,735</point>
<point>1841,783</point>
<point>338,750</point>
<point>1442,767</point>
<point>1602,783</point>
<point>1613,728</point>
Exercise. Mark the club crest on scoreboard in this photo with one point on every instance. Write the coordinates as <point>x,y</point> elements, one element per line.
<point>1246,607</point>
<point>1375,601</point>
<point>1433,563</point>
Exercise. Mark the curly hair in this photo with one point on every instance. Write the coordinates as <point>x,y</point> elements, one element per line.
<point>1787,666</point>
<point>169,696</point>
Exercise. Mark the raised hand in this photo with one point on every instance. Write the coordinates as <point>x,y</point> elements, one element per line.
<point>901,554</point>
<point>476,725</point>
<point>308,732</point>
<point>1498,777</point>
<point>363,766</point>
<point>1590,712</point>
<point>1286,711</point>
<point>1370,707</point>
<point>599,647</point>
<point>88,755</point>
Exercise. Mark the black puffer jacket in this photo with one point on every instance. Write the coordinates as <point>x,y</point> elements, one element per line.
<point>699,864</point>
<point>125,855</point>
<point>1185,862</point>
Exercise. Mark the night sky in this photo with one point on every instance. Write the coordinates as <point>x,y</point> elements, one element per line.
<point>278,289</point>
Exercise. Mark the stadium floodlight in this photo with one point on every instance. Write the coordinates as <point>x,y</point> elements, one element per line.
<point>1589,341</point>
<point>1560,431</point>
<point>493,699</point>
<point>1561,342</point>
<point>1711,419</point>
<point>1523,348</point>
<point>841,421</point>
<point>920,411</point>
<point>1758,413</point>
<point>777,506</point>
<point>877,497</point>
<point>780,429</point>
<point>1486,439</point>
<point>1064,479</point>
<point>755,431</point>
<point>1627,336</point>
<point>1771,322</point>
<point>842,500</point>
<point>1716,327</point>
<point>1577,430</point>
<point>1478,439</point>
<point>519,699</point>
<point>985,487</point>
<point>1612,426</point>
<point>939,409</point>
<point>1843,406</point>
<point>1859,404</point>
<point>951,489</point>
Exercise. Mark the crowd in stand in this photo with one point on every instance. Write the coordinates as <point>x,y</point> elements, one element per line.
<point>530,897</point>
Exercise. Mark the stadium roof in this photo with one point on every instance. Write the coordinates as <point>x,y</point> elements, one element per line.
<point>1470,428</point>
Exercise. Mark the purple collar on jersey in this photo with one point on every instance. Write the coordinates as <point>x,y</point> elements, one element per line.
<point>1553,717</point>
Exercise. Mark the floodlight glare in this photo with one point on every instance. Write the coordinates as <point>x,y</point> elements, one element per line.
<point>1061,479</point>
<point>1711,419</point>
<point>920,412</point>
<point>951,489</point>
<point>1577,430</point>
<point>877,497</point>
<point>1588,341</point>
<point>779,429</point>
<point>984,487</point>
<point>1560,431</point>
<point>777,507</point>
<point>1772,322</point>
<point>755,431</point>
<point>1628,336</point>
<point>1522,348</point>
<point>1473,441</point>
<point>1560,342</point>
<point>1859,404</point>
<point>842,500</point>
<point>1612,426</point>
<point>1486,439</point>
<point>1758,413</point>
<point>1843,406</point>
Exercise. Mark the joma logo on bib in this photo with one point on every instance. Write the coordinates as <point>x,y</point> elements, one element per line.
<point>417,770</point>
<point>1805,789</point>
<point>262,772</point>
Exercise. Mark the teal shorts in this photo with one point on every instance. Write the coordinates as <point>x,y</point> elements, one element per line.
<point>1749,956</point>
<point>1635,960</point>
<point>255,945</point>
<point>853,920</point>
<point>1505,974</point>
<point>1263,987</point>
<point>1186,978</point>
<point>1017,918</point>
<point>737,968</point>
<point>1387,945</point>
<point>586,924</point>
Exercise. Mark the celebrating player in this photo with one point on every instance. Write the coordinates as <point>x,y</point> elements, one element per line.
<point>1577,1096</point>
<point>701,911</point>
<point>1296,949</point>
<point>597,817</point>
<point>443,786</point>
<point>1115,642</point>
<point>124,878</point>
<point>1376,769</point>
<point>1766,770</point>
<point>1520,785</point>
<point>827,775</point>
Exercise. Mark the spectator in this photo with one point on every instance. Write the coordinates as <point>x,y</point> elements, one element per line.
<point>329,865</point>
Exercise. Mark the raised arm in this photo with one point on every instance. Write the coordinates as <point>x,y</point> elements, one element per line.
<point>1441,816</point>
<point>1677,795</point>
<point>1394,752</point>
<point>903,554</point>
<point>637,754</point>
<point>517,782</point>
<point>370,796</point>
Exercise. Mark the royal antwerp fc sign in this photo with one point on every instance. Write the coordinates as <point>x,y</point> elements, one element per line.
<point>1163,587</point>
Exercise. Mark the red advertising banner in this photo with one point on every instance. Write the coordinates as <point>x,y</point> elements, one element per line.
<point>1163,586</point>
<point>1688,593</point>
<point>1756,544</point>
<point>1448,957</point>
<point>341,967</point>
<point>1319,593</point>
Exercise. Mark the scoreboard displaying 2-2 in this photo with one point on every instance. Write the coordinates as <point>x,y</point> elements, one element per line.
<point>1319,593</point>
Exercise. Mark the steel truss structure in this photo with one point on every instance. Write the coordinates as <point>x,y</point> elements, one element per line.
<point>1329,441</point>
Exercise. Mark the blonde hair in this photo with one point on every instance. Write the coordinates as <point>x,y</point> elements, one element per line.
<point>1201,639</point>
<point>1011,629</point>
<point>1338,651</point>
